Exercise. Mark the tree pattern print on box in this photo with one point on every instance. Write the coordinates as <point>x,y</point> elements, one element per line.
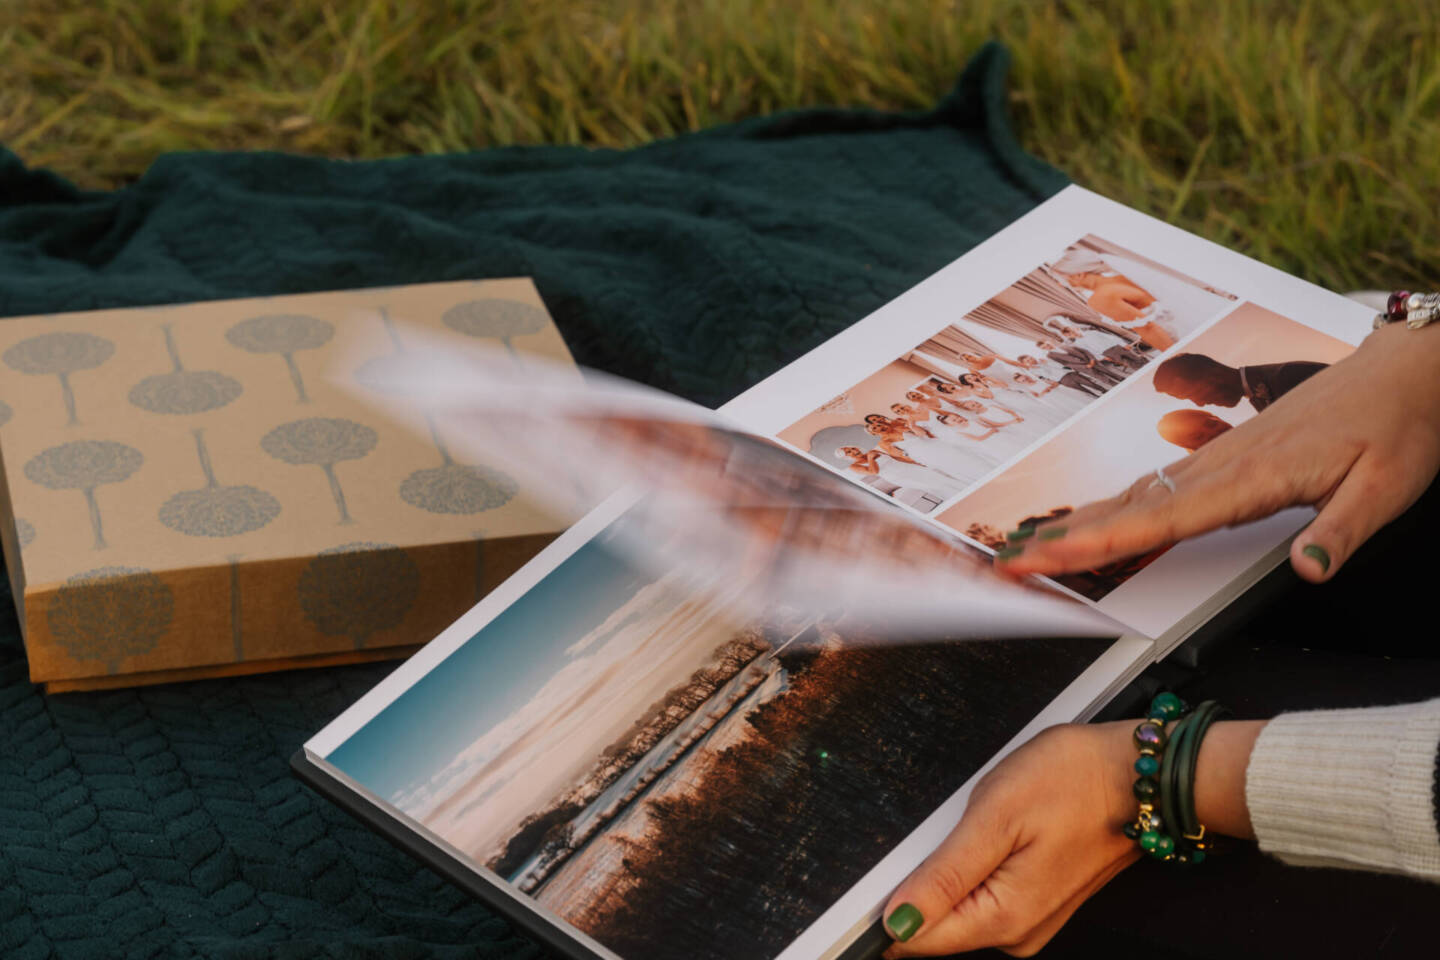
<point>455,487</point>
<point>452,487</point>
<point>359,589</point>
<point>24,532</point>
<point>84,465</point>
<point>322,442</point>
<point>285,334</point>
<point>214,510</point>
<point>378,374</point>
<point>183,391</point>
<point>495,319</point>
<point>5,413</point>
<point>60,354</point>
<point>110,614</point>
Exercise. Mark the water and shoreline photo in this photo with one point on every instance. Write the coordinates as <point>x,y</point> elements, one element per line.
<point>679,783</point>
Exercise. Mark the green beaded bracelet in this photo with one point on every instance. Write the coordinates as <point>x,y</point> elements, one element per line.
<point>1149,829</point>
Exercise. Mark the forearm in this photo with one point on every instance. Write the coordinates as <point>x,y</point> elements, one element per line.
<point>1342,788</point>
<point>1349,788</point>
<point>1219,774</point>
<point>1220,777</point>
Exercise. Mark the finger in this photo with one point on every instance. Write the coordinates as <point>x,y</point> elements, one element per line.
<point>1144,517</point>
<point>1016,906</point>
<point>1366,500</point>
<point>951,875</point>
<point>1149,516</point>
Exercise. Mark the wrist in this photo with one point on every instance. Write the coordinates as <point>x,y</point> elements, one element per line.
<point>1220,777</point>
<point>1118,756</point>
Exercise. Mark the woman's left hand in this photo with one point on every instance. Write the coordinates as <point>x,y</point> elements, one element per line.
<point>1040,835</point>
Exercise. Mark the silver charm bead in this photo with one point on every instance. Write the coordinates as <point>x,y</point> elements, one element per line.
<point>1415,319</point>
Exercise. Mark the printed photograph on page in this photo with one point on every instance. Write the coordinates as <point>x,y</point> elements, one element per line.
<point>680,781</point>
<point>1222,378</point>
<point>970,398</point>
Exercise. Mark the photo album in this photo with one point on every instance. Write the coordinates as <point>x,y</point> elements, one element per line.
<point>749,689</point>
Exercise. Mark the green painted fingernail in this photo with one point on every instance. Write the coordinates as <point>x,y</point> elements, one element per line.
<point>903,921</point>
<point>1053,533</point>
<point>1024,533</point>
<point>1319,554</point>
<point>1008,553</point>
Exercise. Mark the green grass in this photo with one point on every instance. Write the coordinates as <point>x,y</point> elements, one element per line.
<point>1305,134</point>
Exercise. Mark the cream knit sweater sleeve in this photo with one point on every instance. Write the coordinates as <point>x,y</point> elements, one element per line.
<point>1349,788</point>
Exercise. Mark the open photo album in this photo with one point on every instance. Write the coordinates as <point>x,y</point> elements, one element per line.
<point>750,688</point>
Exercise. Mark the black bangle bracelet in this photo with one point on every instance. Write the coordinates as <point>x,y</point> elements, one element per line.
<point>1186,758</point>
<point>1169,811</point>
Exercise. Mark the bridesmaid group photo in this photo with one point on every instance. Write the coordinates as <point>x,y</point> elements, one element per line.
<point>971,398</point>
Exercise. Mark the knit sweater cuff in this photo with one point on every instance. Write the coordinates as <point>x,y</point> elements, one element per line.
<point>1349,788</point>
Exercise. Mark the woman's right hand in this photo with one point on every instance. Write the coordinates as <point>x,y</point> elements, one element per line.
<point>1360,441</point>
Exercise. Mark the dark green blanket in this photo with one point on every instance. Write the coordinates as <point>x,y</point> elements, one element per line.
<point>164,822</point>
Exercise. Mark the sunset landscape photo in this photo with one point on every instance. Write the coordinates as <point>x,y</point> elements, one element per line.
<point>678,783</point>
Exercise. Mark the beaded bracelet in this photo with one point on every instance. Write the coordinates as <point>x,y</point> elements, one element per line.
<point>1148,828</point>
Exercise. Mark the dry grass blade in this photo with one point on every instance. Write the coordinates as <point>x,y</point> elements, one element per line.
<point>1305,133</point>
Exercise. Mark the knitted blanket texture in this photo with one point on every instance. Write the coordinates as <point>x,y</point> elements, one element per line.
<point>164,822</point>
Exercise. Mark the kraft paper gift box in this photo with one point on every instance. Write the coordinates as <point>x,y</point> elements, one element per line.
<point>185,495</point>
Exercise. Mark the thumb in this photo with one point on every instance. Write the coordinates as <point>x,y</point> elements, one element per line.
<point>1366,500</point>
<point>949,876</point>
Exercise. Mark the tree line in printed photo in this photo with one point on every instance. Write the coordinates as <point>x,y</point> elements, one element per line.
<point>680,784</point>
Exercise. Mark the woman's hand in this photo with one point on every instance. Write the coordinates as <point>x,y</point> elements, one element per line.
<point>1042,833</point>
<point>1360,441</point>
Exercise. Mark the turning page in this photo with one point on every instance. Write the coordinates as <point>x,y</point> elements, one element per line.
<point>1066,357</point>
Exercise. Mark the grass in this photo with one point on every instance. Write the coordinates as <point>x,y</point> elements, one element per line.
<point>1306,134</point>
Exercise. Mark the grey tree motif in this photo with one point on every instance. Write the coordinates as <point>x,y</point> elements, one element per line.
<point>110,614</point>
<point>285,334</point>
<point>84,465</point>
<point>24,532</point>
<point>451,487</point>
<point>214,510</point>
<point>381,373</point>
<point>60,354</point>
<point>183,391</point>
<point>359,589</point>
<point>497,319</point>
<point>455,487</point>
<point>321,442</point>
<point>5,413</point>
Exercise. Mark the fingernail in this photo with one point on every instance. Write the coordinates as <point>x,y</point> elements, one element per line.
<point>1008,553</point>
<point>1319,554</point>
<point>1023,533</point>
<point>1053,533</point>
<point>903,921</point>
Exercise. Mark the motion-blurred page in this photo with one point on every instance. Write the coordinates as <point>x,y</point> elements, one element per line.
<point>1057,363</point>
